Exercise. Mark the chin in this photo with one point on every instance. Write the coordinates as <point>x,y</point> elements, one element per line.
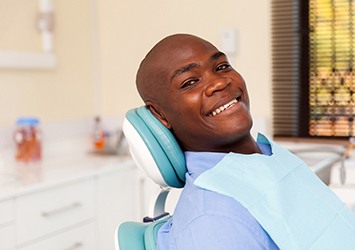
<point>242,126</point>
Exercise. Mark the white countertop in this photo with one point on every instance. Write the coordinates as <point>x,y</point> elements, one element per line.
<point>63,161</point>
<point>67,160</point>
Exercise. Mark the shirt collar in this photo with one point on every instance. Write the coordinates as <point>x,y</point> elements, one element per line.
<point>199,162</point>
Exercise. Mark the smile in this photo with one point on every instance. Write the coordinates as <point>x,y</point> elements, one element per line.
<point>223,107</point>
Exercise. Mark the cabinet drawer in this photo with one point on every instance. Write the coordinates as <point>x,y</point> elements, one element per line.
<point>7,237</point>
<point>48,211</point>
<point>6,212</point>
<point>81,238</point>
<point>7,225</point>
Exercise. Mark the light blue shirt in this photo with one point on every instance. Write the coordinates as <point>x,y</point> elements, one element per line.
<point>207,220</point>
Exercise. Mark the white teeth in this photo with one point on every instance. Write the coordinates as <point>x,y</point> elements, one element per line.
<point>223,107</point>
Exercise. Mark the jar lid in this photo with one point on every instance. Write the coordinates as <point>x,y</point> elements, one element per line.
<point>27,121</point>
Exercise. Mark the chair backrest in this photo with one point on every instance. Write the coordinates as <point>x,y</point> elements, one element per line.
<point>154,148</point>
<point>156,151</point>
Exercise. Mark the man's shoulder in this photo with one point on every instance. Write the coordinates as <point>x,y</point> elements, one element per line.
<point>200,213</point>
<point>196,202</point>
<point>217,215</point>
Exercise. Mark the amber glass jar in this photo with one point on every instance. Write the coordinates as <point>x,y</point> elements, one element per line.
<point>28,139</point>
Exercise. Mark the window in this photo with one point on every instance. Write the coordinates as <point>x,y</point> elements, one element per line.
<point>313,71</point>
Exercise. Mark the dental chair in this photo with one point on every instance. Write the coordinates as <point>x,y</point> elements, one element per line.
<point>155,150</point>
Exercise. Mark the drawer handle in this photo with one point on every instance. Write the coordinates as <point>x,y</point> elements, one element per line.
<point>5,224</point>
<point>75,246</point>
<point>60,210</point>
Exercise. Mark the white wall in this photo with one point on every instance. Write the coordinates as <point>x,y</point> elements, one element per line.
<point>130,28</point>
<point>57,94</point>
<point>100,43</point>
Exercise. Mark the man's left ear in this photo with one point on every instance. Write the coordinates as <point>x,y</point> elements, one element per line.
<point>159,116</point>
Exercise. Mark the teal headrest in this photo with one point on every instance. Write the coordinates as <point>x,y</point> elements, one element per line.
<point>149,139</point>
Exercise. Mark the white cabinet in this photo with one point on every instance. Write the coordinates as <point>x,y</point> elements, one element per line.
<point>7,225</point>
<point>117,201</point>
<point>80,212</point>
<point>46,212</point>
<point>80,238</point>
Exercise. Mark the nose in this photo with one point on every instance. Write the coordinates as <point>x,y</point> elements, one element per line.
<point>217,83</point>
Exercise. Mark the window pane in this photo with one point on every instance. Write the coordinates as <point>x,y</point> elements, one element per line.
<point>332,77</point>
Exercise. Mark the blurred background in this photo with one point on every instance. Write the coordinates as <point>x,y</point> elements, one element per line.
<point>67,77</point>
<point>98,45</point>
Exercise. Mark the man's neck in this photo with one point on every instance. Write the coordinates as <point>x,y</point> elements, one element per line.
<point>245,145</point>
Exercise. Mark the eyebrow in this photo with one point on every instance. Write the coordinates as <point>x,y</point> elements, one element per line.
<point>184,69</point>
<point>192,66</point>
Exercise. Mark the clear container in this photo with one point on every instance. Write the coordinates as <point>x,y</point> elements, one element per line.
<point>99,135</point>
<point>28,139</point>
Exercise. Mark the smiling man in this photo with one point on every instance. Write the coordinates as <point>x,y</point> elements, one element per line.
<point>189,85</point>
<point>192,89</point>
<point>239,193</point>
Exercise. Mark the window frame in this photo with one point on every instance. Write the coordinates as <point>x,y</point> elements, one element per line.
<point>296,104</point>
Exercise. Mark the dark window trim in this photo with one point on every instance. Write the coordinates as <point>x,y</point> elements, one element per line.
<point>303,115</point>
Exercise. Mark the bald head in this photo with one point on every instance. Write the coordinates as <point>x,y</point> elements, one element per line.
<point>154,73</point>
<point>190,87</point>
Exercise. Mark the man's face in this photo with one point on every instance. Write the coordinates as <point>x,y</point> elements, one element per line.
<point>206,101</point>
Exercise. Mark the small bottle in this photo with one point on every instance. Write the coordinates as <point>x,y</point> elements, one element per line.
<point>99,134</point>
<point>28,140</point>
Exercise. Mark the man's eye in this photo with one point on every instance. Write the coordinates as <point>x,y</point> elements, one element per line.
<point>223,67</point>
<point>188,83</point>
